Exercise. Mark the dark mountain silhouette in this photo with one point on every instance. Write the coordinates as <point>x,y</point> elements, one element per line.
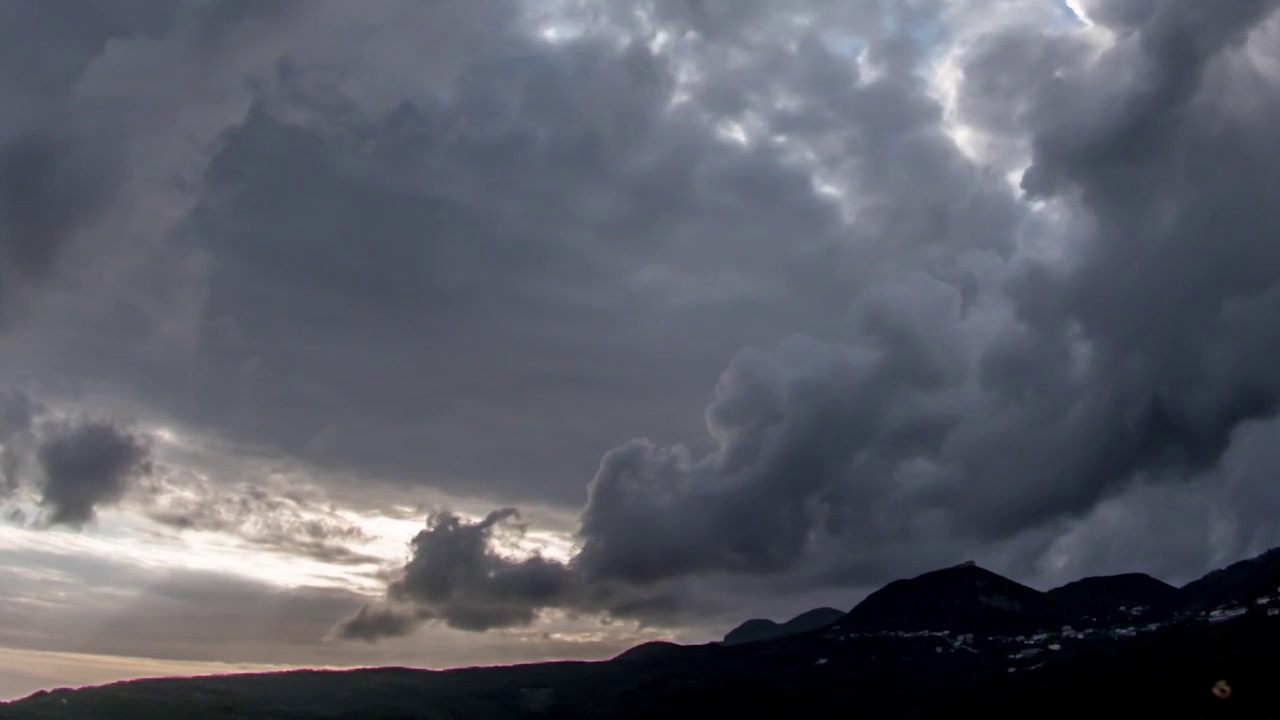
<point>762,629</point>
<point>1115,598</point>
<point>647,651</point>
<point>963,599</point>
<point>944,644</point>
<point>1244,581</point>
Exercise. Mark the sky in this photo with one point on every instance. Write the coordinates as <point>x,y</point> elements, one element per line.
<point>459,332</point>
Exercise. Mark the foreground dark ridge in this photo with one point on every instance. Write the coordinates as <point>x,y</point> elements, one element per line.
<point>998,658</point>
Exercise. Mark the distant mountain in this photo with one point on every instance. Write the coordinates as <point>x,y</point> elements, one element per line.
<point>954,642</point>
<point>962,599</point>
<point>760,629</point>
<point>1244,581</point>
<point>648,651</point>
<point>1116,598</point>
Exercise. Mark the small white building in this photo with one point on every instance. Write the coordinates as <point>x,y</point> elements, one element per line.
<point>1222,614</point>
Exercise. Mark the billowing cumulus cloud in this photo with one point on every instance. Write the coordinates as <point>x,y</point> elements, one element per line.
<point>1062,381</point>
<point>453,568</point>
<point>1136,359</point>
<point>458,575</point>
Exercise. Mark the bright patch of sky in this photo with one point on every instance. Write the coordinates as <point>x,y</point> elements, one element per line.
<point>1074,12</point>
<point>26,671</point>
<point>125,536</point>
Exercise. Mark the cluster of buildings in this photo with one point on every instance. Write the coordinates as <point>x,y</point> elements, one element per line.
<point>1028,647</point>
<point>1269,603</point>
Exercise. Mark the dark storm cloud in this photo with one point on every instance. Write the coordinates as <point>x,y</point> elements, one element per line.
<point>477,250</point>
<point>371,623</point>
<point>1168,296</point>
<point>815,437</point>
<point>47,193</point>
<point>1109,130</point>
<point>66,136</point>
<point>48,46</point>
<point>1178,532</point>
<point>1171,289</point>
<point>452,568</point>
<point>550,205</point>
<point>1136,359</point>
<point>545,234</point>
<point>456,575</point>
<point>36,210</point>
<point>87,464</point>
<point>55,176</point>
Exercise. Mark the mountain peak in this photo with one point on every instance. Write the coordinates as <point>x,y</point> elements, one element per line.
<point>1114,597</point>
<point>1241,581</point>
<point>960,598</point>
<point>763,629</point>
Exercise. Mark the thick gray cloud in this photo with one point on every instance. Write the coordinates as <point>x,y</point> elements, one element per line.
<point>67,149</point>
<point>1139,358</point>
<point>453,568</point>
<point>372,623</point>
<point>1165,294</point>
<point>87,464</point>
<point>18,415</point>
<point>456,574</point>
<point>475,260</point>
<point>581,279</point>
<point>46,193</point>
<point>556,204</point>
<point>1135,359</point>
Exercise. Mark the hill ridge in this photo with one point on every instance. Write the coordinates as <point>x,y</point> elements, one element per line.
<point>937,664</point>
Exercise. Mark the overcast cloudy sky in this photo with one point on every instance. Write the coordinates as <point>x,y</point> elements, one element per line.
<point>446,332</point>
